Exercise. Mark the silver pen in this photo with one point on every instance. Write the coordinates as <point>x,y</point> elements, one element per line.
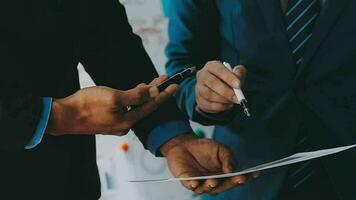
<point>240,95</point>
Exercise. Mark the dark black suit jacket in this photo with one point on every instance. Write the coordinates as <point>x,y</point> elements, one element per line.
<point>41,44</point>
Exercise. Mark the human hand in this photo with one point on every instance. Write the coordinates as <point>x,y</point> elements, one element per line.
<point>103,110</point>
<point>214,88</point>
<point>189,156</point>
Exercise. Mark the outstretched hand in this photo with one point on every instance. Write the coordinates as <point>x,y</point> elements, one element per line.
<point>189,156</point>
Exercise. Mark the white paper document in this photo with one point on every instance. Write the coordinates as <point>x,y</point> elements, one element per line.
<point>296,158</point>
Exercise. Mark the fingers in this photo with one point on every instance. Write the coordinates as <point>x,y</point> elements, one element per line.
<point>207,186</point>
<point>256,174</point>
<point>228,165</point>
<point>154,92</point>
<point>211,102</point>
<point>219,86</point>
<point>167,93</point>
<point>136,96</point>
<point>140,112</point>
<point>216,93</point>
<point>212,107</point>
<point>148,107</point>
<point>228,184</point>
<point>215,85</point>
<point>190,185</point>
<point>156,82</point>
<point>159,80</point>
<point>219,70</point>
<point>144,92</point>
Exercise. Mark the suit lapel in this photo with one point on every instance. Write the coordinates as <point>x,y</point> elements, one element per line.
<point>328,17</point>
<point>274,18</point>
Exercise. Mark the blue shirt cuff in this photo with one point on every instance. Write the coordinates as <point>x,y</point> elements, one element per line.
<point>42,125</point>
<point>166,132</point>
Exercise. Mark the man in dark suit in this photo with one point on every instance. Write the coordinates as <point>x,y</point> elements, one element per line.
<point>41,43</point>
<point>300,86</point>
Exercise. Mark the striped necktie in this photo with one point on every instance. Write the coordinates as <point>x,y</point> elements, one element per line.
<point>301,16</point>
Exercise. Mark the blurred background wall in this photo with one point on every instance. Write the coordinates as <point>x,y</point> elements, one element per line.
<point>123,158</point>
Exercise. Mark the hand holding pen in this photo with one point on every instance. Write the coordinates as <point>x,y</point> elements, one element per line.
<point>216,87</point>
<point>164,82</point>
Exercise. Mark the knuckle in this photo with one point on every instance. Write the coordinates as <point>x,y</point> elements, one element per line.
<point>215,83</point>
<point>154,80</point>
<point>220,70</point>
<point>200,75</point>
<point>221,89</point>
<point>142,90</point>
<point>207,94</point>
<point>211,64</point>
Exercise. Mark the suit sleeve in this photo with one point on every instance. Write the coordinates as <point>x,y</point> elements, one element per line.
<point>20,112</point>
<point>20,107</point>
<point>115,57</point>
<point>193,41</point>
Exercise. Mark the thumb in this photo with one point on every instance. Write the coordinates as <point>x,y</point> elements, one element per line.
<point>240,71</point>
<point>227,160</point>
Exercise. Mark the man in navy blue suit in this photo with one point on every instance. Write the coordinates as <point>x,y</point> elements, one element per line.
<point>300,86</point>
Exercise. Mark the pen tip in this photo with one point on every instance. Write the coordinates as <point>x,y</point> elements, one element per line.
<point>193,69</point>
<point>247,112</point>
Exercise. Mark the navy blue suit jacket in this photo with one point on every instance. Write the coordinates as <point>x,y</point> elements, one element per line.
<point>320,93</point>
